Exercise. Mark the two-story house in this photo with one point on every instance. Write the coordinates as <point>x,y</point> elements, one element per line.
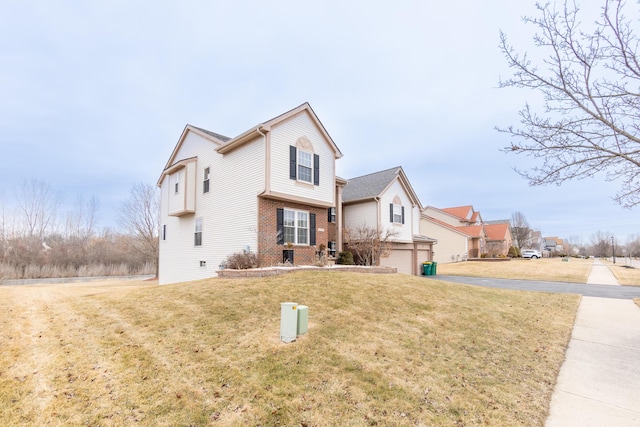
<point>459,231</point>
<point>271,190</point>
<point>386,202</point>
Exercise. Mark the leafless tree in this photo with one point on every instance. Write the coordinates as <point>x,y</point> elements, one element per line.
<point>38,205</point>
<point>519,229</point>
<point>601,243</point>
<point>590,81</point>
<point>369,244</point>
<point>139,217</point>
<point>81,223</point>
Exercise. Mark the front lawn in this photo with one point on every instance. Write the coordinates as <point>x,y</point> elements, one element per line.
<point>381,350</point>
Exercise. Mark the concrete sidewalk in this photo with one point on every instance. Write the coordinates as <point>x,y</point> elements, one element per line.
<point>600,274</point>
<point>599,382</point>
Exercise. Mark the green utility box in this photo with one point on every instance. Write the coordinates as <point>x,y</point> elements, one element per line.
<point>303,319</point>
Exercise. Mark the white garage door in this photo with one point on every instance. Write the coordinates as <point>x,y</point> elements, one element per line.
<point>400,259</point>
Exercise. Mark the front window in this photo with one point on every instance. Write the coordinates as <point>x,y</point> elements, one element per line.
<point>305,166</point>
<point>296,227</point>
<point>198,233</point>
<point>332,215</point>
<point>397,214</point>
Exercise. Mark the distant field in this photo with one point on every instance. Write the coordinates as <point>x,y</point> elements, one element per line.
<point>547,269</point>
<point>381,350</point>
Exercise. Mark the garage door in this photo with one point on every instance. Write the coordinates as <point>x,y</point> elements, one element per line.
<point>402,260</point>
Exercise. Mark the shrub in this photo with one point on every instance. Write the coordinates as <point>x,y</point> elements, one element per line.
<point>345,258</point>
<point>241,261</point>
<point>514,252</point>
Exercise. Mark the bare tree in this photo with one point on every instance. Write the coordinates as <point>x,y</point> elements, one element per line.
<point>81,223</point>
<point>369,244</point>
<point>139,216</point>
<point>38,205</point>
<point>519,229</point>
<point>601,243</point>
<point>590,81</point>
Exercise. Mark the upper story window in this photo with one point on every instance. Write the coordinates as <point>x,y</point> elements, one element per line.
<point>305,171</point>
<point>176,185</point>
<point>205,181</point>
<point>332,215</point>
<point>304,165</point>
<point>396,213</point>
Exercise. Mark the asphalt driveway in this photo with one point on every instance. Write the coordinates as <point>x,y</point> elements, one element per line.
<point>601,291</point>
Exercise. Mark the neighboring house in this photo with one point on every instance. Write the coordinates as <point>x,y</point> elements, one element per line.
<point>453,244</point>
<point>498,239</point>
<point>386,201</point>
<point>534,240</point>
<point>271,190</point>
<point>553,244</point>
<point>465,215</point>
<point>466,221</point>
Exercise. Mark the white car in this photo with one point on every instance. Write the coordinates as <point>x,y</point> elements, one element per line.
<point>531,253</point>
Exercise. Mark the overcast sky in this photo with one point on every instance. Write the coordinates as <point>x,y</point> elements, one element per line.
<point>94,95</point>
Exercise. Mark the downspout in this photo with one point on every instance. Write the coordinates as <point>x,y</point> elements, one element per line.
<point>267,183</point>
<point>267,160</point>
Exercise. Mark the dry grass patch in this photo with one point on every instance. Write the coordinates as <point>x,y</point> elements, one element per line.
<point>545,269</point>
<point>381,350</point>
<point>626,275</point>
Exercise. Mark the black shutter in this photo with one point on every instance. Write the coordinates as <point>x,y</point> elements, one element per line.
<point>280,226</point>
<point>316,169</point>
<point>391,211</point>
<point>312,229</point>
<point>403,214</point>
<point>329,215</point>
<point>293,159</point>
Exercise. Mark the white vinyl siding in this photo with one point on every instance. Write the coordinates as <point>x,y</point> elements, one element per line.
<point>403,232</point>
<point>361,214</point>
<point>286,134</point>
<point>229,210</point>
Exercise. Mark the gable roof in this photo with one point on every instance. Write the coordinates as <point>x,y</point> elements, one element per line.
<point>446,225</point>
<point>496,231</point>
<point>367,187</point>
<point>474,231</point>
<point>226,144</point>
<point>261,128</point>
<point>465,213</point>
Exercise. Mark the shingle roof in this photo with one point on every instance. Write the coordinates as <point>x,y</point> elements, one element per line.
<point>471,230</point>
<point>496,231</point>
<point>369,186</point>
<point>213,134</point>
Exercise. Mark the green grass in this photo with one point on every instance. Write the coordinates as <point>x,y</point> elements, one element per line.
<point>381,350</point>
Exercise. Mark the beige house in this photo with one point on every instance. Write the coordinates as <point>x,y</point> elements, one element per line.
<point>459,231</point>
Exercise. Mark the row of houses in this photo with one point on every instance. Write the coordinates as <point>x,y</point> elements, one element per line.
<point>273,190</point>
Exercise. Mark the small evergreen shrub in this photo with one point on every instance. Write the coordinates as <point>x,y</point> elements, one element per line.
<point>345,258</point>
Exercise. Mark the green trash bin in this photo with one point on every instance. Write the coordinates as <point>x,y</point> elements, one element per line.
<point>434,267</point>
<point>426,268</point>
